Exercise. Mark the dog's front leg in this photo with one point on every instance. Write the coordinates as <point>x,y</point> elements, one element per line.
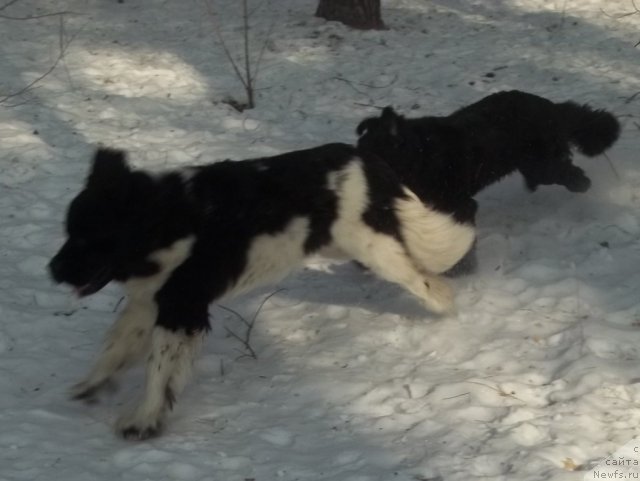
<point>168,369</point>
<point>574,179</point>
<point>126,343</point>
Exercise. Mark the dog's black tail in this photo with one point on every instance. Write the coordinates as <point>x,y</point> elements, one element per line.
<point>591,131</point>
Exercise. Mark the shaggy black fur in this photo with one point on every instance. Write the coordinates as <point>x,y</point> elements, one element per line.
<point>447,160</point>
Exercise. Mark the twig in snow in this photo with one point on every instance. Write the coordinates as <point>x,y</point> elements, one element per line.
<point>500,391</point>
<point>630,99</point>
<point>623,15</point>
<point>8,4</point>
<point>29,17</point>
<point>365,84</point>
<point>34,17</point>
<point>63,45</point>
<point>360,104</point>
<point>456,396</point>
<point>350,84</point>
<point>635,11</point>
<point>118,304</point>
<point>246,340</point>
<point>257,7</point>
<point>615,172</point>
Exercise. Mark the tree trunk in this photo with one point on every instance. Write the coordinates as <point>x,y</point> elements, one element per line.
<point>364,14</point>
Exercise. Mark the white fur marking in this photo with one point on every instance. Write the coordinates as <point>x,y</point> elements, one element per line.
<point>167,259</point>
<point>435,240</point>
<point>272,257</point>
<point>168,370</point>
<point>386,256</point>
<point>128,339</point>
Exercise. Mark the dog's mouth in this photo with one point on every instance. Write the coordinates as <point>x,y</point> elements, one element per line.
<point>94,285</point>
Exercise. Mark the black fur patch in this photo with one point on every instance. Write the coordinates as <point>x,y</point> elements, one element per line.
<point>447,160</point>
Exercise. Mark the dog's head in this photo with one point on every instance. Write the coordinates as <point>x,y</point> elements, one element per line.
<point>109,229</point>
<point>389,136</point>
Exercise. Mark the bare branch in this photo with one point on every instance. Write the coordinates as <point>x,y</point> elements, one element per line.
<point>373,106</point>
<point>8,4</point>
<point>501,392</point>
<point>257,7</point>
<point>33,17</point>
<point>249,77</point>
<point>623,15</point>
<point>118,304</point>
<point>264,47</point>
<point>247,60</point>
<point>246,340</point>
<point>63,45</point>
<point>235,313</point>
<point>350,84</point>
<point>630,99</point>
<point>29,17</point>
<point>264,301</point>
<point>216,30</point>
<point>612,166</point>
<point>30,85</point>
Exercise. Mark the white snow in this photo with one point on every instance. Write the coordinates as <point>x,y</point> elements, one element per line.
<point>535,377</point>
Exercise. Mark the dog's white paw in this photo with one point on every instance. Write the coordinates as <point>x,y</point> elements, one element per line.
<point>440,296</point>
<point>139,426</point>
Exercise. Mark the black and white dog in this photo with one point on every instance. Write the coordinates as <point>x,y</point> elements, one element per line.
<point>447,160</point>
<point>182,239</point>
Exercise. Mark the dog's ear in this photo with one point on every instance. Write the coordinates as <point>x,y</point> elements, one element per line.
<point>389,119</point>
<point>366,125</point>
<point>109,168</point>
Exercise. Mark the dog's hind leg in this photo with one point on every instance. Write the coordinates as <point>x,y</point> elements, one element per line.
<point>126,343</point>
<point>388,258</point>
<point>377,247</point>
<point>168,370</point>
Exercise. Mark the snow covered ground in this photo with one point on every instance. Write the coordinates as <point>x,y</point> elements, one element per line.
<point>537,375</point>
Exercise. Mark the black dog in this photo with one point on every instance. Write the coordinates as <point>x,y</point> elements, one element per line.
<point>447,160</point>
<point>182,239</point>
